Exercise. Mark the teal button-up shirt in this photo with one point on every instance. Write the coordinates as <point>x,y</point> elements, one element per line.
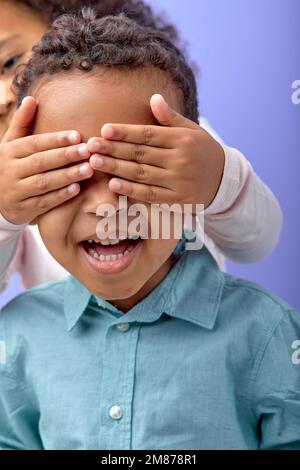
<point>205,361</point>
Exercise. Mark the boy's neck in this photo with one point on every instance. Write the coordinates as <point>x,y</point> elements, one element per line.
<point>126,304</point>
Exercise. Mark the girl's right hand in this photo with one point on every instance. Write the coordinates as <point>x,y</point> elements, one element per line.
<point>30,179</point>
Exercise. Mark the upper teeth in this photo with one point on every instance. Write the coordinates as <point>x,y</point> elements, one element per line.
<point>114,241</point>
<point>134,237</point>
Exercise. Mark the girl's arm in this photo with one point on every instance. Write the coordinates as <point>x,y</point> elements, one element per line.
<point>245,219</point>
<point>181,162</point>
<point>22,250</point>
<point>11,245</point>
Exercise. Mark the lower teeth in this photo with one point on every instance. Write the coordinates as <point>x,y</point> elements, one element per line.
<point>113,257</point>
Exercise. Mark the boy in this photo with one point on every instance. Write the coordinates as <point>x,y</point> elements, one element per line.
<point>143,346</point>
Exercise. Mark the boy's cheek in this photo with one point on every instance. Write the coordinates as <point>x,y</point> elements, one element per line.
<point>53,230</point>
<point>160,252</point>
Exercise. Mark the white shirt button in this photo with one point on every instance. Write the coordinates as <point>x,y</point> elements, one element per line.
<point>123,326</point>
<point>116,412</point>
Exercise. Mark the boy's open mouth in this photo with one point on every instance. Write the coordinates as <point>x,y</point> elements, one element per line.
<point>110,255</point>
<point>110,250</point>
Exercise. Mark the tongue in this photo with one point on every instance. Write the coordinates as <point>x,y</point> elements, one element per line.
<point>111,249</point>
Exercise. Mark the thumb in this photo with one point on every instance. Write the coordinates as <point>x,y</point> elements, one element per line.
<point>167,116</point>
<point>22,120</point>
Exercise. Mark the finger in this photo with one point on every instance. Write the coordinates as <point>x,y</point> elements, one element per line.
<point>51,160</point>
<point>132,152</point>
<point>40,142</point>
<point>167,116</point>
<point>22,121</point>
<point>48,201</point>
<point>141,192</point>
<point>132,171</point>
<point>154,136</point>
<point>46,182</point>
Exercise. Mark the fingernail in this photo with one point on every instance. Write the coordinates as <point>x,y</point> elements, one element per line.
<point>162,97</point>
<point>95,146</point>
<point>83,151</point>
<point>107,132</point>
<point>115,185</point>
<point>73,137</point>
<point>24,100</point>
<point>72,188</point>
<point>166,103</point>
<point>84,169</point>
<point>98,161</point>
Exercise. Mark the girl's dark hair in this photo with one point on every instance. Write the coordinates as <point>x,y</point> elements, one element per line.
<point>136,9</point>
<point>83,41</point>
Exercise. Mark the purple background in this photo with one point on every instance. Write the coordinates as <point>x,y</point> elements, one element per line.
<point>249,52</point>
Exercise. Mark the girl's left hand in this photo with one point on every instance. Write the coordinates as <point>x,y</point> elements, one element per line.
<point>177,162</point>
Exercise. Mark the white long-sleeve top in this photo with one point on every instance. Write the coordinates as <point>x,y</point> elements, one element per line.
<point>243,224</point>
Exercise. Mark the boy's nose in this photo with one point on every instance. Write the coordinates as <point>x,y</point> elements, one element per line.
<point>97,193</point>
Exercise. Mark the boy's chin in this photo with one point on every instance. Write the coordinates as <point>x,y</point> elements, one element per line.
<point>117,292</point>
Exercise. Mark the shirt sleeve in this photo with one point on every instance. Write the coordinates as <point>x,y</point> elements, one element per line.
<point>276,397</point>
<point>18,415</point>
<point>38,266</point>
<point>245,218</point>
<point>11,248</point>
<point>22,250</point>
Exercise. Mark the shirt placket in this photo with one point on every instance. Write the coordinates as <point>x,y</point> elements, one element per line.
<point>117,386</point>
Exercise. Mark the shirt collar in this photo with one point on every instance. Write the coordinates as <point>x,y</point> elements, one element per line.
<point>76,300</point>
<point>199,300</point>
<point>191,291</point>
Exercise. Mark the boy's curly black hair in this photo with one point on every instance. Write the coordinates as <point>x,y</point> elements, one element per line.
<point>136,9</point>
<point>83,41</point>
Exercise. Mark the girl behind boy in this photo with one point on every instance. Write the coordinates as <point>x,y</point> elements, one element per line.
<point>200,360</point>
<point>242,216</point>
